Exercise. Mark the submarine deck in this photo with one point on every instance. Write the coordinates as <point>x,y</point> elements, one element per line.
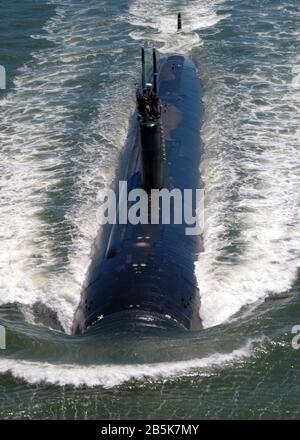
<point>144,273</point>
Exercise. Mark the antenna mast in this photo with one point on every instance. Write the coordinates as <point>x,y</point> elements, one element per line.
<point>179,25</point>
<point>154,72</point>
<point>143,69</point>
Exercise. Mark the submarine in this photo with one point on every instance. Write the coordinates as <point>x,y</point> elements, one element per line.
<point>142,275</point>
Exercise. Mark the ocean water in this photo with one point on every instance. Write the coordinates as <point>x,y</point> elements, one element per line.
<point>72,66</point>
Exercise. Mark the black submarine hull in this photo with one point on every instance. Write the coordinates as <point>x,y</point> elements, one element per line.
<point>143,274</point>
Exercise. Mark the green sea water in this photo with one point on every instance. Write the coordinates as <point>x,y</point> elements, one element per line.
<point>72,66</point>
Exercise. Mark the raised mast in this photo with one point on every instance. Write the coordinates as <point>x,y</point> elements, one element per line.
<point>154,72</point>
<point>143,68</point>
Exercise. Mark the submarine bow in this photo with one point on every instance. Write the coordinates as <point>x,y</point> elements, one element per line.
<point>143,274</point>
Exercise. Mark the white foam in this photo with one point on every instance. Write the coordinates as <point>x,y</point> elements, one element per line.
<point>109,376</point>
<point>157,23</point>
<point>41,141</point>
<point>251,173</point>
<point>296,73</point>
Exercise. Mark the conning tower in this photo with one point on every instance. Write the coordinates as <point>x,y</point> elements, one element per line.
<point>151,130</point>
